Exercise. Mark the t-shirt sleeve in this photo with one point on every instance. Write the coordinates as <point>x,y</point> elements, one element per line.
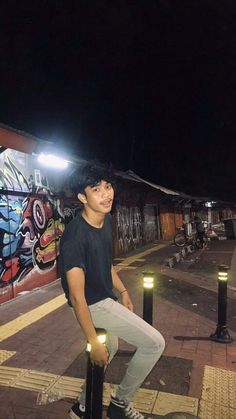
<point>72,256</point>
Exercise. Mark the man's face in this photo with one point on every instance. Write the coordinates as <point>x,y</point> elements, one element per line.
<point>98,198</point>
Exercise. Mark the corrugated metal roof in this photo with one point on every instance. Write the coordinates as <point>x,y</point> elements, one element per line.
<point>129,175</point>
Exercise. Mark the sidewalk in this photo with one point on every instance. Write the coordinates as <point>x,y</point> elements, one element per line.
<point>45,348</point>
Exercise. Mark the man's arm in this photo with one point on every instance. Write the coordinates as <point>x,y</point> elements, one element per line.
<point>119,286</point>
<point>76,281</point>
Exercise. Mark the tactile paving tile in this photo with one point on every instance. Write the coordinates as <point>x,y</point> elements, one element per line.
<point>219,387</point>
<point>144,399</point>
<point>16,325</point>
<point>9,375</point>
<point>108,388</point>
<point>4,355</point>
<point>35,381</point>
<point>168,403</point>
<point>67,387</point>
<point>208,410</point>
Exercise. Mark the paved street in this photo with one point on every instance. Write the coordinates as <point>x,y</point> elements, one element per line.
<point>185,311</point>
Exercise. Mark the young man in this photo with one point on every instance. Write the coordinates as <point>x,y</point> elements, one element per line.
<point>88,279</point>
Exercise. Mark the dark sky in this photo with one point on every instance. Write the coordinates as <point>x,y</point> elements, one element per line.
<point>148,85</point>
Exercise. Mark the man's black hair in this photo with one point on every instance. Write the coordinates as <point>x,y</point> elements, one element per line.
<point>90,175</point>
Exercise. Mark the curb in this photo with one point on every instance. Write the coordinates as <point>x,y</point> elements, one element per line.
<point>180,255</point>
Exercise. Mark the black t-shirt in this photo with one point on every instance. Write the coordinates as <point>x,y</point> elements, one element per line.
<point>89,248</point>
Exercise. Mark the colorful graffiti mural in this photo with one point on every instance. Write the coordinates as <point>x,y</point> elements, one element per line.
<point>71,210</point>
<point>10,218</point>
<point>42,226</point>
<point>30,228</point>
<point>11,178</point>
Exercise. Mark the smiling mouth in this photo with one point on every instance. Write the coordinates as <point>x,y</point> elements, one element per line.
<point>107,202</point>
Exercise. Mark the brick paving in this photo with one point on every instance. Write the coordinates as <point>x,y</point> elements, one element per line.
<point>53,343</point>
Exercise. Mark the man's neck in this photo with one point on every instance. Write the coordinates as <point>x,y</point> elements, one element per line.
<point>93,218</point>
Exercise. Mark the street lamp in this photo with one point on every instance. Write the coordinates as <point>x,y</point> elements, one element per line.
<point>52,161</point>
<point>148,284</point>
<point>221,333</point>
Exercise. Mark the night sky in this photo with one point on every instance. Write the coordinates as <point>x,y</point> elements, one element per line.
<point>147,85</point>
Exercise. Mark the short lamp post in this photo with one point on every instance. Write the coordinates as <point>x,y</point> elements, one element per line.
<point>94,382</point>
<point>221,333</point>
<point>148,284</point>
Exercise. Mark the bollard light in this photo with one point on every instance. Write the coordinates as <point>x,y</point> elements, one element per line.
<point>221,333</point>
<point>94,382</point>
<point>148,281</point>
<point>148,284</point>
<point>101,337</point>
<point>223,273</point>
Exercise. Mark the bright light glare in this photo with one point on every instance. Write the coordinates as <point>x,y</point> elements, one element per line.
<point>209,204</point>
<point>148,279</point>
<point>148,282</point>
<point>52,161</point>
<point>223,276</point>
<point>101,338</point>
<point>148,285</point>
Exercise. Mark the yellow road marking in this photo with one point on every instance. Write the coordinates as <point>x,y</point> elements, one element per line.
<point>16,325</point>
<point>127,261</point>
<point>21,322</point>
<point>4,355</point>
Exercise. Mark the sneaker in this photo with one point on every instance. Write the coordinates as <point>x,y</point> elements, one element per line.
<point>77,411</point>
<point>118,409</point>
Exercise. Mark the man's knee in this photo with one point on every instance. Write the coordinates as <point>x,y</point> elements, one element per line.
<point>112,346</point>
<point>161,343</point>
<point>156,344</point>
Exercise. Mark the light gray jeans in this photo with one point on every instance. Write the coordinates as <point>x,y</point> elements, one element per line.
<point>123,323</point>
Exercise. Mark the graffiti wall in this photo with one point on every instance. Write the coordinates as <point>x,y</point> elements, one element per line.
<point>129,232</point>
<point>128,228</point>
<point>31,225</point>
<point>71,209</point>
<point>151,224</point>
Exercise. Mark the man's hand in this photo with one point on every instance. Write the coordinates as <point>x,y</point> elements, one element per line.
<point>126,301</point>
<point>99,354</point>
<point>119,286</point>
